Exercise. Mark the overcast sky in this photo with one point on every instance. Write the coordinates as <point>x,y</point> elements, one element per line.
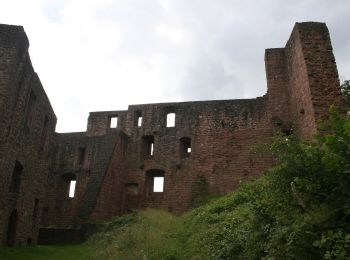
<point>95,55</point>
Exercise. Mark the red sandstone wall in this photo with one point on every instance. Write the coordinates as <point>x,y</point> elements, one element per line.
<point>114,175</point>
<point>26,132</point>
<point>111,197</point>
<point>60,209</point>
<point>99,122</point>
<point>277,92</point>
<point>223,134</point>
<point>313,77</point>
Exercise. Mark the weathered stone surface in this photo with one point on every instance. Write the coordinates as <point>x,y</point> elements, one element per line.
<point>114,168</point>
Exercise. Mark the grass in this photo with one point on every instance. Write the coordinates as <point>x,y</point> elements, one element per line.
<point>63,252</point>
<point>150,234</point>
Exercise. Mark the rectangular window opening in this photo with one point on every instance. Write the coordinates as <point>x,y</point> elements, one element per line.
<point>113,122</point>
<point>81,155</point>
<point>170,120</point>
<point>72,188</point>
<point>185,147</point>
<point>139,121</point>
<point>131,189</point>
<point>158,184</point>
<point>138,118</point>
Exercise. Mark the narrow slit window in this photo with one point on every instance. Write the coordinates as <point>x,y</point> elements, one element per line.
<point>148,145</point>
<point>170,120</point>
<point>158,184</point>
<point>35,212</point>
<point>72,188</point>
<point>152,149</point>
<point>113,122</point>
<point>139,121</point>
<point>30,109</point>
<point>81,155</point>
<point>44,133</point>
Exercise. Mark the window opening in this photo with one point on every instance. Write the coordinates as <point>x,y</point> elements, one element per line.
<point>131,188</point>
<point>12,228</point>
<point>44,133</point>
<point>158,184</point>
<point>35,209</point>
<point>30,109</point>
<point>148,145</point>
<point>170,120</point>
<point>185,147</point>
<point>72,188</point>
<point>81,155</point>
<point>16,178</point>
<point>45,216</point>
<point>139,121</point>
<point>113,122</point>
<point>35,212</point>
<point>138,117</point>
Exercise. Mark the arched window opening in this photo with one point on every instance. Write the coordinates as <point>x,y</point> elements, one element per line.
<point>16,178</point>
<point>12,228</point>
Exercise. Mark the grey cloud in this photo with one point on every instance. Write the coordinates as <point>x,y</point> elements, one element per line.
<point>206,79</point>
<point>223,53</point>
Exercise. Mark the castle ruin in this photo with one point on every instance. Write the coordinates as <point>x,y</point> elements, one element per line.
<point>189,148</point>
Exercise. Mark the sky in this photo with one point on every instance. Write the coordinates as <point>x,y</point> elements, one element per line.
<point>98,55</point>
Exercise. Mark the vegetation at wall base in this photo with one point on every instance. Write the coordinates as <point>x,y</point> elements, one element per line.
<point>300,209</point>
<point>62,252</point>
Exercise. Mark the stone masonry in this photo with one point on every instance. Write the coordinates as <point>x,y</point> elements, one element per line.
<point>208,149</point>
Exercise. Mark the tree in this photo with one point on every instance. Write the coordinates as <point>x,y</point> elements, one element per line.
<point>345,89</point>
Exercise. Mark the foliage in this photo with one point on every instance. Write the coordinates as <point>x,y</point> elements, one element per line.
<point>148,235</point>
<point>66,252</point>
<point>345,88</point>
<point>300,209</point>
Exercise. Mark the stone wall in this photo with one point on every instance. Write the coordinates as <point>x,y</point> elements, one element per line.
<point>210,148</point>
<point>27,124</point>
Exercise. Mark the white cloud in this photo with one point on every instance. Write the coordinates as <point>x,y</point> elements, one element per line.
<point>105,54</point>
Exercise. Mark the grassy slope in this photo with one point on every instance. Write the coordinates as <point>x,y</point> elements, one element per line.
<point>67,252</point>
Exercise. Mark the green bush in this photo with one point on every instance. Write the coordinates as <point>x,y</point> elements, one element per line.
<point>300,209</point>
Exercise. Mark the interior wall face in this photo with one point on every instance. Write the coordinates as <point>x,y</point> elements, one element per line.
<point>140,157</point>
